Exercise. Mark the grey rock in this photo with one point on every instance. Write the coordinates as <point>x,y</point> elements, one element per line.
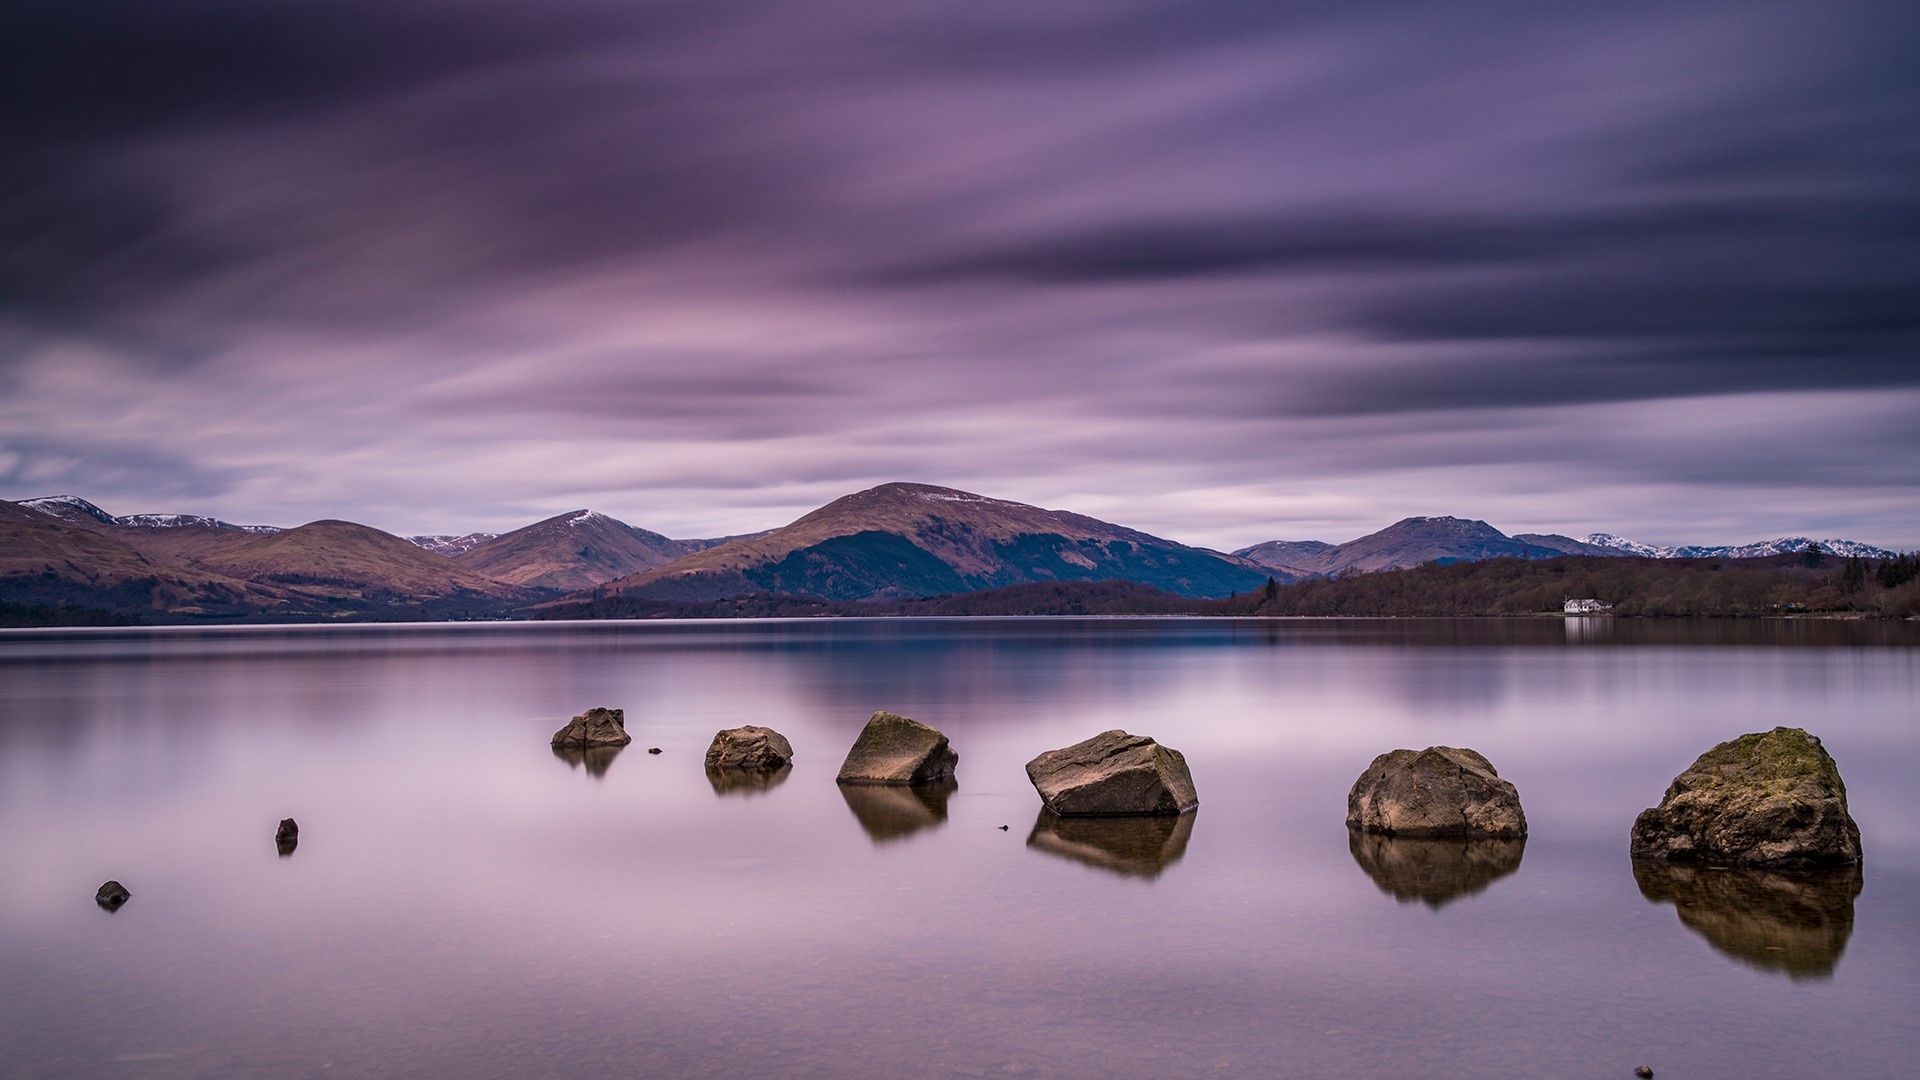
<point>894,749</point>
<point>1771,799</point>
<point>1133,846</point>
<point>288,830</point>
<point>1433,870</point>
<point>749,748</point>
<point>112,895</point>
<point>1439,791</point>
<point>595,727</point>
<point>1113,773</point>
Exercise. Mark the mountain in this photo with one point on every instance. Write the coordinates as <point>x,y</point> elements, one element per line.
<point>77,511</point>
<point>1417,540</point>
<point>48,559</point>
<point>450,545</point>
<point>356,564</point>
<point>1566,545</point>
<point>905,540</point>
<point>1283,554</point>
<point>1759,549</point>
<point>572,551</point>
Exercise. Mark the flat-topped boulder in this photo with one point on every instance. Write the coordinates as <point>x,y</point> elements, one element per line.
<point>1770,799</point>
<point>595,727</point>
<point>749,747</point>
<point>894,749</point>
<point>1439,791</point>
<point>1113,773</point>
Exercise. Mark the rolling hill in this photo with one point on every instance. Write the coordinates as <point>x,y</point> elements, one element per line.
<point>906,540</point>
<point>357,563</point>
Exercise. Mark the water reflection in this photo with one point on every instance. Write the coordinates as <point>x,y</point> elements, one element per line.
<point>1793,922</point>
<point>1434,871</point>
<point>597,759</point>
<point>895,811</point>
<point>1129,846</point>
<point>746,782</point>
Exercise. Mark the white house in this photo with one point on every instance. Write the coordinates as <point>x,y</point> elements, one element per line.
<point>1585,607</point>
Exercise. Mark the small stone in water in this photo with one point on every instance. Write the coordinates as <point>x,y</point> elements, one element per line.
<point>1643,1071</point>
<point>111,895</point>
<point>653,750</point>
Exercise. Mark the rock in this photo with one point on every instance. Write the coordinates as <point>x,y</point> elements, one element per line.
<point>1795,922</point>
<point>891,812</point>
<point>748,748</point>
<point>896,750</point>
<point>595,727</point>
<point>655,750</point>
<point>1771,799</point>
<point>112,895</point>
<point>1439,791</point>
<point>288,830</point>
<point>1132,846</point>
<point>1644,1072</point>
<point>747,781</point>
<point>1433,870</point>
<point>1113,773</point>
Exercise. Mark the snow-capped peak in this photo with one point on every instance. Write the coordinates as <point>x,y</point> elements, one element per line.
<point>1759,549</point>
<point>69,507</point>
<point>73,508</point>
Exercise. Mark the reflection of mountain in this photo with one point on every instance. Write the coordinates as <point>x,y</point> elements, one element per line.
<point>1793,922</point>
<point>896,811</point>
<point>595,758</point>
<point>1433,870</point>
<point>746,782</point>
<point>1130,846</point>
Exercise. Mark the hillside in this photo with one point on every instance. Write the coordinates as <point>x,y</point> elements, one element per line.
<point>572,551</point>
<point>904,540</point>
<point>46,560</point>
<point>343,561</point>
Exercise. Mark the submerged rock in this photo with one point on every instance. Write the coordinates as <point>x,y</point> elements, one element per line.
<point>894,749</point>
<point>1133,846</point>
<point>1113,773</point>
<point>1795,922</point>
<point>747,781</point>
<point>1770,799</point>
<point>595,727</point>
<point>112,895</point>
<point>896,811</point>
<point>1434,870</point>
<point>749,748</point>
<point>1439,791</point>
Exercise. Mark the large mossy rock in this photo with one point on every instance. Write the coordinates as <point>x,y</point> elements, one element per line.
<point>595,727</point>
<point>749,747</point>
<point>894,749</point>
<point>1771,799</point>
<point>1113,773</point>
<point>1439,791</point>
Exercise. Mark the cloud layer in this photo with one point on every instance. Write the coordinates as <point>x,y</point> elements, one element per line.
<point>1224,271</point>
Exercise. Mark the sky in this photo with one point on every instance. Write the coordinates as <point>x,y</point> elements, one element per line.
<point>1223,271</point>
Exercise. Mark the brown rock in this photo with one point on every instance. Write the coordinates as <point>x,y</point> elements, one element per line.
<point>1113,773</point>
<point>595,727</point>
<point>896,750</point>
<point>749,748</point>
<point>1439,791</point>
<point>112,895</point>
<point>1770,799</point>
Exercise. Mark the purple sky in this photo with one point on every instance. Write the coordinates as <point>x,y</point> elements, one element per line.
<point>1226,272</point>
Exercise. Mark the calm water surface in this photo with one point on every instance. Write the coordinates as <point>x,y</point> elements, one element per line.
<point>465,902</point>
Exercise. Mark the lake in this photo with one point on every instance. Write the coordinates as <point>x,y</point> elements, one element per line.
<point>465,901</point>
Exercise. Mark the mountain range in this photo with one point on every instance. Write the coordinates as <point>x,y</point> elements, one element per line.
<point>893,543</point>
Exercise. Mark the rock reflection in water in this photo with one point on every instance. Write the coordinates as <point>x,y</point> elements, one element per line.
<point>1131,846</point>
<point>1433,870</point>
<point>595,758</point>
<point>1792,921</point>
<point>746,782</point>
<point>896,811</point>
